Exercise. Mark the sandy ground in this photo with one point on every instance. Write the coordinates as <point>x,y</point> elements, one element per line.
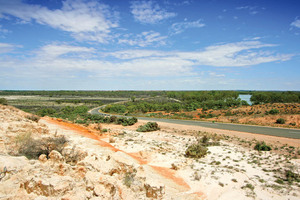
<point>229,171</point>
<point>188,129</point>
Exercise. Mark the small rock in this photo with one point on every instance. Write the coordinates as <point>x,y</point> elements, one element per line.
<point>42,158</point>
<point>55,156</point>
<point>154,191</point>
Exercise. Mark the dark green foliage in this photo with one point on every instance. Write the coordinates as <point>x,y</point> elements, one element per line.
<point>150,126</point>
<point>189,101</point>
<point>280,121</point>
<point>196,151</point>
<point>46,112</point>
<point>80,121</point>
<point>273,112</point>
<point>114,108</point>
<point>279,181</point>
<point>291,176</point>
<point>249,186</point>
<point>262,146</point>
<point>3,101</point>
<point>126,121</point>
<point>244,103</point>
<point>275,97</point>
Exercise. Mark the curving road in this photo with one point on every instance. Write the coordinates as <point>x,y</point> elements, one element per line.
<point>279,132</point>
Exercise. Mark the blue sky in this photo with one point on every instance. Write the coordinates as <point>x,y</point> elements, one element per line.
<point>150,45</point>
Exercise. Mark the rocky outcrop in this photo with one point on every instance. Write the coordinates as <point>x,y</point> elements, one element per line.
<point>54,186</point>
<point>78,171</point>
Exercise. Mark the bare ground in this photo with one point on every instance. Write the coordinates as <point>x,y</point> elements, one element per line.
<point>124,164</point>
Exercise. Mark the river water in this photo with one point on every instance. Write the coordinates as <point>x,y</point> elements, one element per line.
<point>246,97</point>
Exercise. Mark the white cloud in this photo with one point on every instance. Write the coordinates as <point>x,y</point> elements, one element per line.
<point>54,51</point>
<point>296,23</point>
<point>234,55</point>
<point>182,26</point>
<point>73,61</point>
<point>84,20</point>
<point>224,55</point>
<point>133,54</point>
<point>251,9</point>
<point>149,12</point>
<point>6,48</point>
<point>214,74</point>
<point>144,39</point>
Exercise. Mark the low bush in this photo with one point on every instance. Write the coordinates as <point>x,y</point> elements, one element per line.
<point>3,101</point>
<point>291,176</point>
<point>33,148</point>
<point>34,118</point>
<point>249,186</point>
<point>209,140</point>
<point>228,113</point>
<point>150,126</point>
<point>126,121</point>
<point>280,121</point>
<point>196,151</point>
<point>262,146</point>
<point>273,112</point>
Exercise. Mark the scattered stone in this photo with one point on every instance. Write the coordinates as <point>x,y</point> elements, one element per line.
<point>43,158</point>
<point>55,156</point>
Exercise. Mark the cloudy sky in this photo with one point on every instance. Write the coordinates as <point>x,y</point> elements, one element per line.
<point>150,45</point>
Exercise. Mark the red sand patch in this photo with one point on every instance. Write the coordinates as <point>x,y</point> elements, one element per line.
<point>165,172</point>
<point>170,174</point>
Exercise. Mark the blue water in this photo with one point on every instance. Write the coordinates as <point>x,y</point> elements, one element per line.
<point>246,97</point>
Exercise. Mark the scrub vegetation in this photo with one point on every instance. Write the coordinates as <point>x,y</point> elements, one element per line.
<point>268,108</point>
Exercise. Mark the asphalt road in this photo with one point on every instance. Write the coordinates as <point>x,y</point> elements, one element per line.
<point>279,132</point>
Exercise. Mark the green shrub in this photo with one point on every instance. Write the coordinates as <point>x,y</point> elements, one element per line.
<point>80,121</point>
<point>3,101</point>
<point>150,126</point>
<point>228,113</point>
<point>279,181</point>
<point>249,186</point>
<point>291,176</point>
<point>196,151</point>
<point>280,121</point>
<point>261,146</point>
<point>46,111</point>
<point>273,112</point>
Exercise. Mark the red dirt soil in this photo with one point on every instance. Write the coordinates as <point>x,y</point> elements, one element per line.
<point>163,171</point>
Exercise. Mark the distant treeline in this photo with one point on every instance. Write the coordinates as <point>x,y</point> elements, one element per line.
<point>192,100</point>
<point>275,97</point>
<point>181,101</point>
<point>184,96</point>
<point>87,93</point>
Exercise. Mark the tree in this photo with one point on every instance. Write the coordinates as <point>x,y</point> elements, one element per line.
<point>133,98</point>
